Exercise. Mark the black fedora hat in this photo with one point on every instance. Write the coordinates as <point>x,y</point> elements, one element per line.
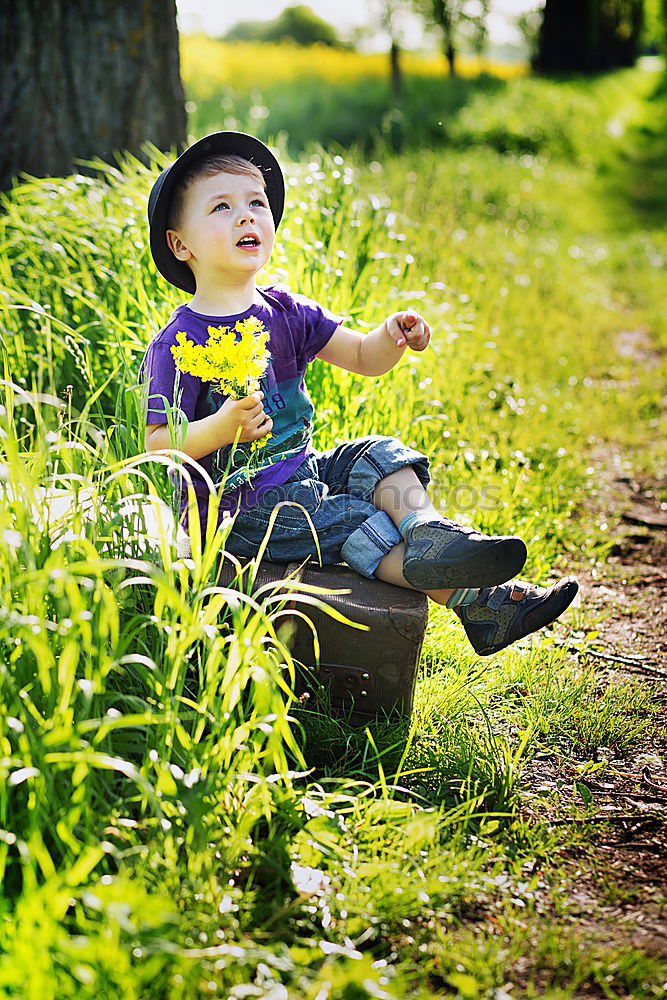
<point>218,143</point>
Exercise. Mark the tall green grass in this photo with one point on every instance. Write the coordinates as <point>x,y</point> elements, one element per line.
<point>172,824</point>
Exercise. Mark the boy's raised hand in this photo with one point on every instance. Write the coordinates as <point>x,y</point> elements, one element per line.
<point>409,329</point>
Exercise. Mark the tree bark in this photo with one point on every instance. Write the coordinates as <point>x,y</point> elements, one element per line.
<point>567,40</point>
<point>395,69</point>
<point>82,79</point>
<point>586,36</point>
<point>444,16</point>
<point>450,55</point>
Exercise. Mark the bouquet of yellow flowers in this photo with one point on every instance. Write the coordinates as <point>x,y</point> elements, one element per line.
<point>233,366</point>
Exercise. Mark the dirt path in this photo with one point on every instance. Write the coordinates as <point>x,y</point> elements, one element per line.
<point>624,879</point>
<point>615,886</point>
<point>629,592</point>
<point>612,888</point>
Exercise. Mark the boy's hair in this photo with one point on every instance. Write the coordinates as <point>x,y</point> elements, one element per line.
<point>206,167</point>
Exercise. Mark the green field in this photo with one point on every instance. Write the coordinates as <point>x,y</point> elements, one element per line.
<point>171,826</point>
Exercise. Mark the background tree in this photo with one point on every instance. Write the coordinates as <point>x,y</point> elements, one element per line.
<point>586,36</point>
<point>655,26</point>
<point>295,24</point>
<point>529,23</point>
<point>84,78</point>
<point>455,20</point>
<point>389,15</point>
<point>478,27</point>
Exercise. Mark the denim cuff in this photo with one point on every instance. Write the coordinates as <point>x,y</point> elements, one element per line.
<point>386,455</point>
<point>368,544</point>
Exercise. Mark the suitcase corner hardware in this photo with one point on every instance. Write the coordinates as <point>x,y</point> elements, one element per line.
<point>410,625</point>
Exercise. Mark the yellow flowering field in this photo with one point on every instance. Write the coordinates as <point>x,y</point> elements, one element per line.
<point>208,64</point>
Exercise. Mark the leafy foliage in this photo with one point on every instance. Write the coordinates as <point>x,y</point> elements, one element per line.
<point>298,24</point>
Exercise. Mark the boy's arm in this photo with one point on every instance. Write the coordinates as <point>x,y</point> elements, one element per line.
<point>218,429</point>
<point>377,352</point>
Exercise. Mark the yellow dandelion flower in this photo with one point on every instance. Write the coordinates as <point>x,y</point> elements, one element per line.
<point>251,327</point>
<point>259,443</point>
<point>232,366</point>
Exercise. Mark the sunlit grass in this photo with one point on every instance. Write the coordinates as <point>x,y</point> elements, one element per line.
<point>169,818</point>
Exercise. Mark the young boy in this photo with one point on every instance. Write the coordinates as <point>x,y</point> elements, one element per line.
<point>213,214</point>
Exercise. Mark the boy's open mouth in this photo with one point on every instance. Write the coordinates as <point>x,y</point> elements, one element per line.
<point>248,242</point>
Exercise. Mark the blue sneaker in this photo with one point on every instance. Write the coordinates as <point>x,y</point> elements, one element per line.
<point>441,554</point>
<point>501,615</point>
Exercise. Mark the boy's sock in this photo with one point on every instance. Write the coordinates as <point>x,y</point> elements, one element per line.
<point>464,595</point>
<point>414,517</point>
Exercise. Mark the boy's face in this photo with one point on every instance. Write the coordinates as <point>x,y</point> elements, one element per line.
<point>226,230</point>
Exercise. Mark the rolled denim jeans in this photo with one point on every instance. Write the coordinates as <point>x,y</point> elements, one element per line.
<point>336,488</point>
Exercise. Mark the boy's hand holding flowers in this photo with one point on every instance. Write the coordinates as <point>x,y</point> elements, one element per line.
<point>408,329</point>
<point>245,414</point>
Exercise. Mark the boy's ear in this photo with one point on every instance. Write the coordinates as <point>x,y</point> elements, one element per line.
<point>177,246</point>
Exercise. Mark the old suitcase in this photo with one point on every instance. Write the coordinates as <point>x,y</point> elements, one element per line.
<point>367,673</point>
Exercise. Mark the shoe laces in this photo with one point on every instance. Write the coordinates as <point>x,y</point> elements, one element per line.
<point>457,527</point>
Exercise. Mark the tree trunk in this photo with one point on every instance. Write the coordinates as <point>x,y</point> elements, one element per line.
<point>628,30</point>
<point>450,55</point>
<point>568,36</point>
<point>395,68</point>
<point>82,79</point>
<point>586,36</point>
<point>443,16</point>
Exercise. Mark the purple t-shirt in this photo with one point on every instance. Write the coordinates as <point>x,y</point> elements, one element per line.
<point>298,330</point>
